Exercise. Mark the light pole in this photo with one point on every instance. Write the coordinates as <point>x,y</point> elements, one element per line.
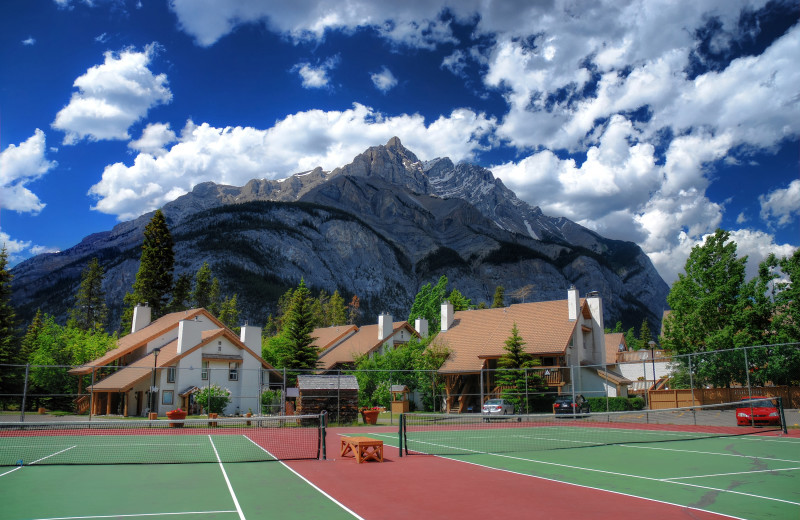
<point>153,388</point>
<point>653,358</point>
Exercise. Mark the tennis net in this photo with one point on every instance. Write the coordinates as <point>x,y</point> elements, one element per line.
<point>463,434</point>
<point>163,441</point>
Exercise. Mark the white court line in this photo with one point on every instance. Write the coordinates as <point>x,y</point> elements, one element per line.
<point>707,453</point>
<point>38,460</point>
<point>612,473</point>
<point>228,482</point>
<point>136,515</point>
<point>307,481</point>
<point>736,473</point>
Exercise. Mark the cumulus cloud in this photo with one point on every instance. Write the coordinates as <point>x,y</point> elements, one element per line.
<point>154,138</point>
<point>30,40</point>
<point>113,96</point>
<point>383,80</point>
<point>300,142</point>
<point>781,204</point>
<point>20,165</point>
<point>316,76</point>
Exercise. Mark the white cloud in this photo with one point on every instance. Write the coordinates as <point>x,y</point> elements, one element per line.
<point>316,76</point>
<point>30,40</point>
<point>113,96</point>
<point>383,80</point>
<point>20,165</point>
<point>783,204</point>
<point>154,139</point>
<point>299,142</point>
<point>757,245</point>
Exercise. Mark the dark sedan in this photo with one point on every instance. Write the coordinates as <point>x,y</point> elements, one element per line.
<point>564,405</point>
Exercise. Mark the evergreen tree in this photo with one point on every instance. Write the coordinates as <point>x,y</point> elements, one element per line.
<point>181,293</point>
<point>229,313</point>
<point>298,325</point>
<point>30,340</point>
<point>90,309</point>
<point>499,297</point>
<point>9,334</point>
<point>337,311</point>
<point>512,375</point>
<point>459,302</point>
<point>645,336</point>
<point>201,295</point>
<point>214,296</point>
<point>153,283</point>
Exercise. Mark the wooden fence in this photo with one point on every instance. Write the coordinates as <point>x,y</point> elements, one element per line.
<point>660,399</point>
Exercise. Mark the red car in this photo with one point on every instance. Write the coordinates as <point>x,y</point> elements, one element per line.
<point>764,412</point>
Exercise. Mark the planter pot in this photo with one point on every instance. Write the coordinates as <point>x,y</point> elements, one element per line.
<point>152,416</point>
<point>212,416</point>
<point>248,414</point>
<point>176,415</point>
<point>370,416</point>
<point>42,411</point>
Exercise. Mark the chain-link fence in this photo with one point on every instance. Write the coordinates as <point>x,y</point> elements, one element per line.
<point>631,379</point>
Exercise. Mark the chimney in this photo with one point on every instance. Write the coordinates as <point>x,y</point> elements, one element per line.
<point>189,334</point>
<point>251,337</point>
<point>141,317</point>
<point>573,303</point>
<point>385,326</point>
<point>447,315</point>
<point>421,326</point>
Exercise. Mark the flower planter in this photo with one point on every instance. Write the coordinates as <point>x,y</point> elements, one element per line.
<point>176,415</point>
<point>370,416</point>
<point>212,416</point>
<point>248,415</point>
<point>152,416</point>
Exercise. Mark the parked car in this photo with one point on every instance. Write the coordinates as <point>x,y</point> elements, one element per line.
<point>764,412</point>
<point>564,405</point>
<point>498,407</point>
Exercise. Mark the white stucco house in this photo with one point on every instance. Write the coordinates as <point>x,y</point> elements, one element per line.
<point>161,364</point>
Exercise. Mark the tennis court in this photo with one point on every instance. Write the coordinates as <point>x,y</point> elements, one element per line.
<point>588,467</point>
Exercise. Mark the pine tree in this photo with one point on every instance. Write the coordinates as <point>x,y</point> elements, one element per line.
<point>353,310</point>
<point>90,309</point>
<point>499,297</point>
<point>512,376</point>
<point>214,296</point>
<point>181,293</point>
<point>153,283</point>
<point>298,324</point>
<point>645,336</point>
<point>201,295</point>
<point>337,311</point>
<point>30,340</point>
<point>9,334</point>
<point>229,312</point>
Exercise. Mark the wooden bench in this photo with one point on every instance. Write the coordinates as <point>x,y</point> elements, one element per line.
<point>364,448</point>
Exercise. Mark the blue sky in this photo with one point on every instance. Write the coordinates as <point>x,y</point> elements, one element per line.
<point>649,121</point>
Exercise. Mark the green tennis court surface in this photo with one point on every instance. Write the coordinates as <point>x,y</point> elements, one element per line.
<point>745,476</point>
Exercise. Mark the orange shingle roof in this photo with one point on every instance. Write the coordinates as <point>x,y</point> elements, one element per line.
<point>613,341</point>
<point>362,342</point>
<point>141,337</point>
<point>476,334</point>
<point>328,336</point>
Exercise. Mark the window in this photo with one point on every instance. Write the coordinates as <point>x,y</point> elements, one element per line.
<point>171,375</point>
<point>233,371</point>
<point>204,371</point>
<point>167,397</point>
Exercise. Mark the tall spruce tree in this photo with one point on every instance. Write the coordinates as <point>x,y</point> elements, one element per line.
<point>90,309</point>
<point>153,283</point>
<point>512,376</point>
<point>298,324</point>
<point>9,333</point>
<point>499,297</point>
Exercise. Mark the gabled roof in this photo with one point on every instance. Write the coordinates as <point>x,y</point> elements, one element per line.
<point>613,341</point>
<point>142,337</point>
<point>363,341</point>
<point>481,333</point>
<point>613,377</point>
<point>326,337</point>
<point>127,377</point>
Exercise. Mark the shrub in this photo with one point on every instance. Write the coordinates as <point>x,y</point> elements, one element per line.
<point>213,398</point>
<point>616,404</point>
<point>637,403</point>
<point>271,402</point>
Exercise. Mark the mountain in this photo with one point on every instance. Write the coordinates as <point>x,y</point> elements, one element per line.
<point>379,227</point>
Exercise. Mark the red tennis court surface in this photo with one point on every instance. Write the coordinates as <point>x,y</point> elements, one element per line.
<point>434,487</point>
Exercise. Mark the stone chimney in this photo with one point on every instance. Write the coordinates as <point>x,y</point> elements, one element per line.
<point>447,315</point>
<point>573,303</point>
<point>190,333</point>
<point>251,337</point>
<point>421,326</point>
<point>385,326</point>
<point>141,317</point>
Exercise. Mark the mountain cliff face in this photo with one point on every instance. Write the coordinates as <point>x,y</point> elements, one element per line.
<point>379,227</point>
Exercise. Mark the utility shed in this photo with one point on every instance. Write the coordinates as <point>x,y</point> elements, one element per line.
<point>335,394</point>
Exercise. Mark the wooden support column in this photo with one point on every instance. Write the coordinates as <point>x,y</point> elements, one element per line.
<point>108,403</point>
<point>126,397</point>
